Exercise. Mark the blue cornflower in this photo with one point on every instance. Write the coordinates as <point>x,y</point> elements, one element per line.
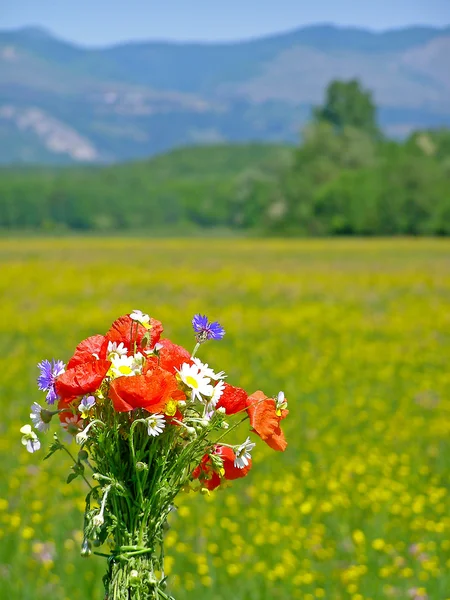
<point>206,330</point>
<point>46,380</point>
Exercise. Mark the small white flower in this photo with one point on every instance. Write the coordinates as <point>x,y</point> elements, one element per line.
<point>30,439</point>
<point>98,520</point>
<point>140,317</point>
<point>85,406</point>
<point>206,370</point>
<point>115,349</point>
<point>280,403</point>
<point>156,424</point>
<point>217,393</point>
<point>242,453</point>
<point>126,366</point>
<point>137,364</point>
<point>36,418</point>
<point>82,437</point>
<point>192,377</point>
<point>72,426</point>
<point>222,410</point>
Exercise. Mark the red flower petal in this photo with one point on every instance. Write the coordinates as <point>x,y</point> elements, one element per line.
<point>82,379</point>
<point>277,441</point>
<point>231,472</point>
<point>68,406</point>
<point>172,356</point>
<point>265,421</point>
<point>151,391</point>
<point>85,351</point>
<point>233,399</point>
<point>213,482</point>
<point>209,478</point>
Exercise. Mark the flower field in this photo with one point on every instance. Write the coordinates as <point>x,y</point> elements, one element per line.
<point>357,335</point>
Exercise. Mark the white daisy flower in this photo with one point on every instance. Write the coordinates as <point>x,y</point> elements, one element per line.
<point>36,418</point>
<point>85,406</point>
<point>30,439</point>
<point>217,393</point>
<point>140,317</point>
<point>124,366</point>
<point>206,370</point>
<point>115,349</point>
<point>242,453</point>
<point>200,385</point>
<point>156,424</point>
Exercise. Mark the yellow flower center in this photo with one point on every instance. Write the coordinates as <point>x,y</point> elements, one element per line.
<point>192,382</point>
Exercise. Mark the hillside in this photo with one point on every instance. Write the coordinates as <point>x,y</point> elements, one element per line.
<point>184,188</point>
<point>62,103</point>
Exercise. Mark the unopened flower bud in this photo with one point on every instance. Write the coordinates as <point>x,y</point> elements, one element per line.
<point>86,548</point>
<point>191,431</point>
<point>222,410</point>
<point>181,403</point>
<point>141,466</point>
<point>224,425</point>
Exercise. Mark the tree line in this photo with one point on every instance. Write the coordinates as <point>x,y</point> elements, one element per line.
<point>344,178</point>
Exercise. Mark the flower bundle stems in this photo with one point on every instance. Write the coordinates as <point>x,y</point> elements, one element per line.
<point>149,419</point>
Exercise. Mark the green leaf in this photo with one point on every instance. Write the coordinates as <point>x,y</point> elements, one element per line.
<point>71,477</point>
<point>54,446</point>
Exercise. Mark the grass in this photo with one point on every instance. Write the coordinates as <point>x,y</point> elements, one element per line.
<point>357,335</point>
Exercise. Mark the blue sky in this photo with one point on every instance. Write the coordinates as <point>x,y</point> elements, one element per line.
<point>101,22</point>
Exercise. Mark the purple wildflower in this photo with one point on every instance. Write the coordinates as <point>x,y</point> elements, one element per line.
<point>46,380</point>
<point>206,330</point>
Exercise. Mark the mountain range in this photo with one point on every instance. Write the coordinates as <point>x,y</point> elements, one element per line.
<point>62,103</point>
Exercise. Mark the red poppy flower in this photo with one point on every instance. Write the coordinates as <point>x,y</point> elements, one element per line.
<point>265,421</point>
<point>210,478</point>
<point>233,399</point>
<point>151,391</point>
<point>82,379</point>
<point>206,474</point>
<point>86,350</point>
<point>120,331</point>
<point>227,455</point>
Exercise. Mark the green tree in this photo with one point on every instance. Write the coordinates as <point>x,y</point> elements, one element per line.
<point>348,105</point>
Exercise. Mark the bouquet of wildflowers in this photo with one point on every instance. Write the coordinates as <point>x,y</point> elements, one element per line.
<point>150,420</point>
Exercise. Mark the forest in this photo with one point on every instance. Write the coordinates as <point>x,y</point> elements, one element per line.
<point>343,178</point>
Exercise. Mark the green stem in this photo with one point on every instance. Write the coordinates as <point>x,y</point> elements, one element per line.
<point>227,431</point>
<point>76,463</point>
